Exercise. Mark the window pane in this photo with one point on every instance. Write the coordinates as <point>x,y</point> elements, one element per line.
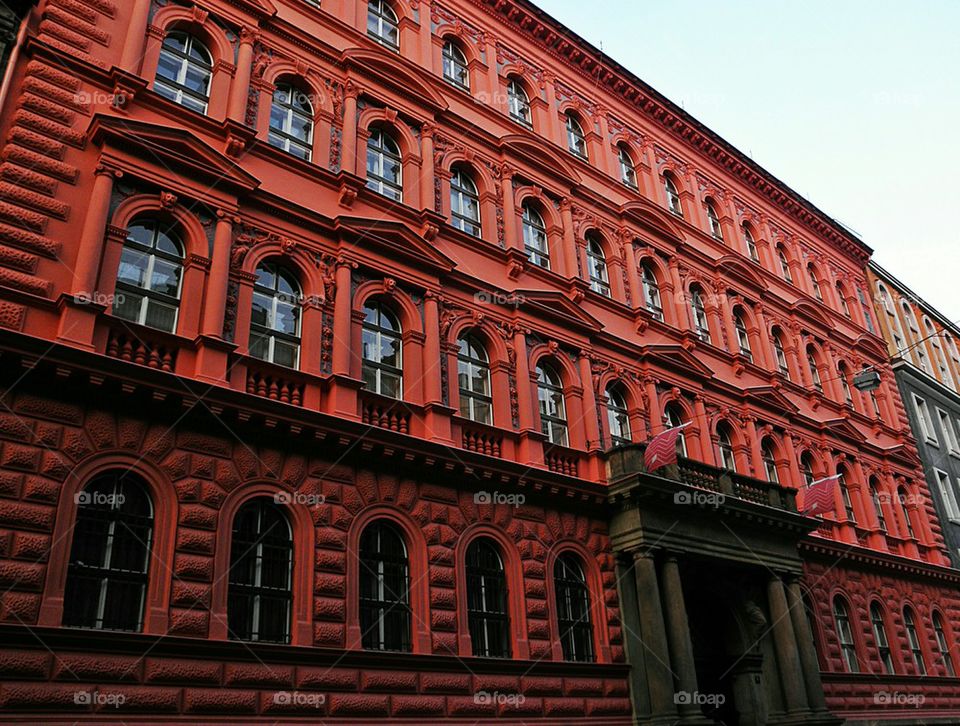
<point>161,315</point>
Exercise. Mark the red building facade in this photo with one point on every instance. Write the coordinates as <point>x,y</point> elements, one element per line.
<point>394,277</point>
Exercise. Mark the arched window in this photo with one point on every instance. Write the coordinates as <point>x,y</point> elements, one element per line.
<point>553,412</point>
<point>275,318</point>
<point>848,648</point>
<point>814,282</point>
<point>842,299</point>
<point>876,498</point>
<point>672,418</point>
<point>725,447</point>
<point>848,509</point>
<point>261,562</point>
<point>535,236</point>
<point>617,416</point>
<point>464,202</point>
<point>576,141</point>
<point>843,373</point>
<point>382,24</point>
<point>743,339</point>
<point>597,267</point>
<point>699,312</point>
<point>902,497</point>
<point>784,264</point>
<point>384,589</point>
<point>880,636</point>
<point>291,121</point>
<point>108,570</point>
<point>943,645</point>
<point>382,351</point>
<point>779,353</point>
<point>573,609</point>
<point>768,453</point>
<point>651,291</point>
<point>913,638</point>
<point>752,252</point>
<point>473,376</point>
<point>384,165</point>
<point>806,467</point>
<point>455,69</point>
<point>885,298</point>
<point>814,369</point>
<point>673,196</point>
<point>149,275</point>
<point>184,71</point>
<point>628,170</point>
<point>714,220</point>
<point>518,102</point>
<point>487,600</point>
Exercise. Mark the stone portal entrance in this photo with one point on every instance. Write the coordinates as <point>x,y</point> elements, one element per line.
<point>709,578</point>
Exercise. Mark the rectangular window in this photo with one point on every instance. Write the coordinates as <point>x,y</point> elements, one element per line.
<point>947,494</point>
<point>926,421</point>
<point>949,432</point>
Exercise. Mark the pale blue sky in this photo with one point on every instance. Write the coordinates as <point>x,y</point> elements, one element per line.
<point>853,103</point>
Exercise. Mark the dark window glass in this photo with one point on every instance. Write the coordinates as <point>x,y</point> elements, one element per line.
<point>573,609</point>
<point>149,275</point>
<point>275,317</point>
<point>110,555</point>
<point>487,601</point>
<point>845,635</point>
<point>880,636</point>
<point>261,560</point>
<point>384,589</point>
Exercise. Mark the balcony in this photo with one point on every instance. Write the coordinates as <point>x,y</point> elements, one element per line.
<point>626,462</point>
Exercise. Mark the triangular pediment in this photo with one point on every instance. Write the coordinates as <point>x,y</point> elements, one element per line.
<point>842,427</point>
<point>539,154</point>
<point>678,358</point>
<point>772,398</point>
<point>391,72</point>
<point>557,306</point>
<point>653,218</point>
<point>172,147</point>
<point>737,270</point>
<point>812,312</point>
<point>395,238</point>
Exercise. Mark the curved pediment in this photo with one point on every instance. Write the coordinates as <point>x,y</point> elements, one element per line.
<point>539,154</point>
<point>653,218</point>
<point>393,73</point>
<point>735,268</point>
<point>812,312</point>
<point>872,345</point>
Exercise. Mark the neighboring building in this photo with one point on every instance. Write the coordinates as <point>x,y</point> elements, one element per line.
<point>925,350</point>
<point>318,323</point>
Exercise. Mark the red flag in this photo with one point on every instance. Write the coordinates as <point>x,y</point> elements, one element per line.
<point>818,497</point>
<point>662,449</point>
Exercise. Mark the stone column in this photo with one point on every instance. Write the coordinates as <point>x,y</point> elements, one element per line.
<point>805,646</point>
<point>219,281</point>
<point>237,104</point>
<point>785,644</point>
<point>764,357</point>
<point>212,350</point>
<point>342,315</point>
<point>511,237</point>
<point>348,154</point>
<point>633,271</point>
<point>655,415</point>
<point>87,267</point>
<point>432,390</point>
<point>753,443</point>
<point>569,239</point>
<point>654,635</point>
<point>426,167</point>
<point>591,426</point>
<point>678,634</point>
<point>133,45</point>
